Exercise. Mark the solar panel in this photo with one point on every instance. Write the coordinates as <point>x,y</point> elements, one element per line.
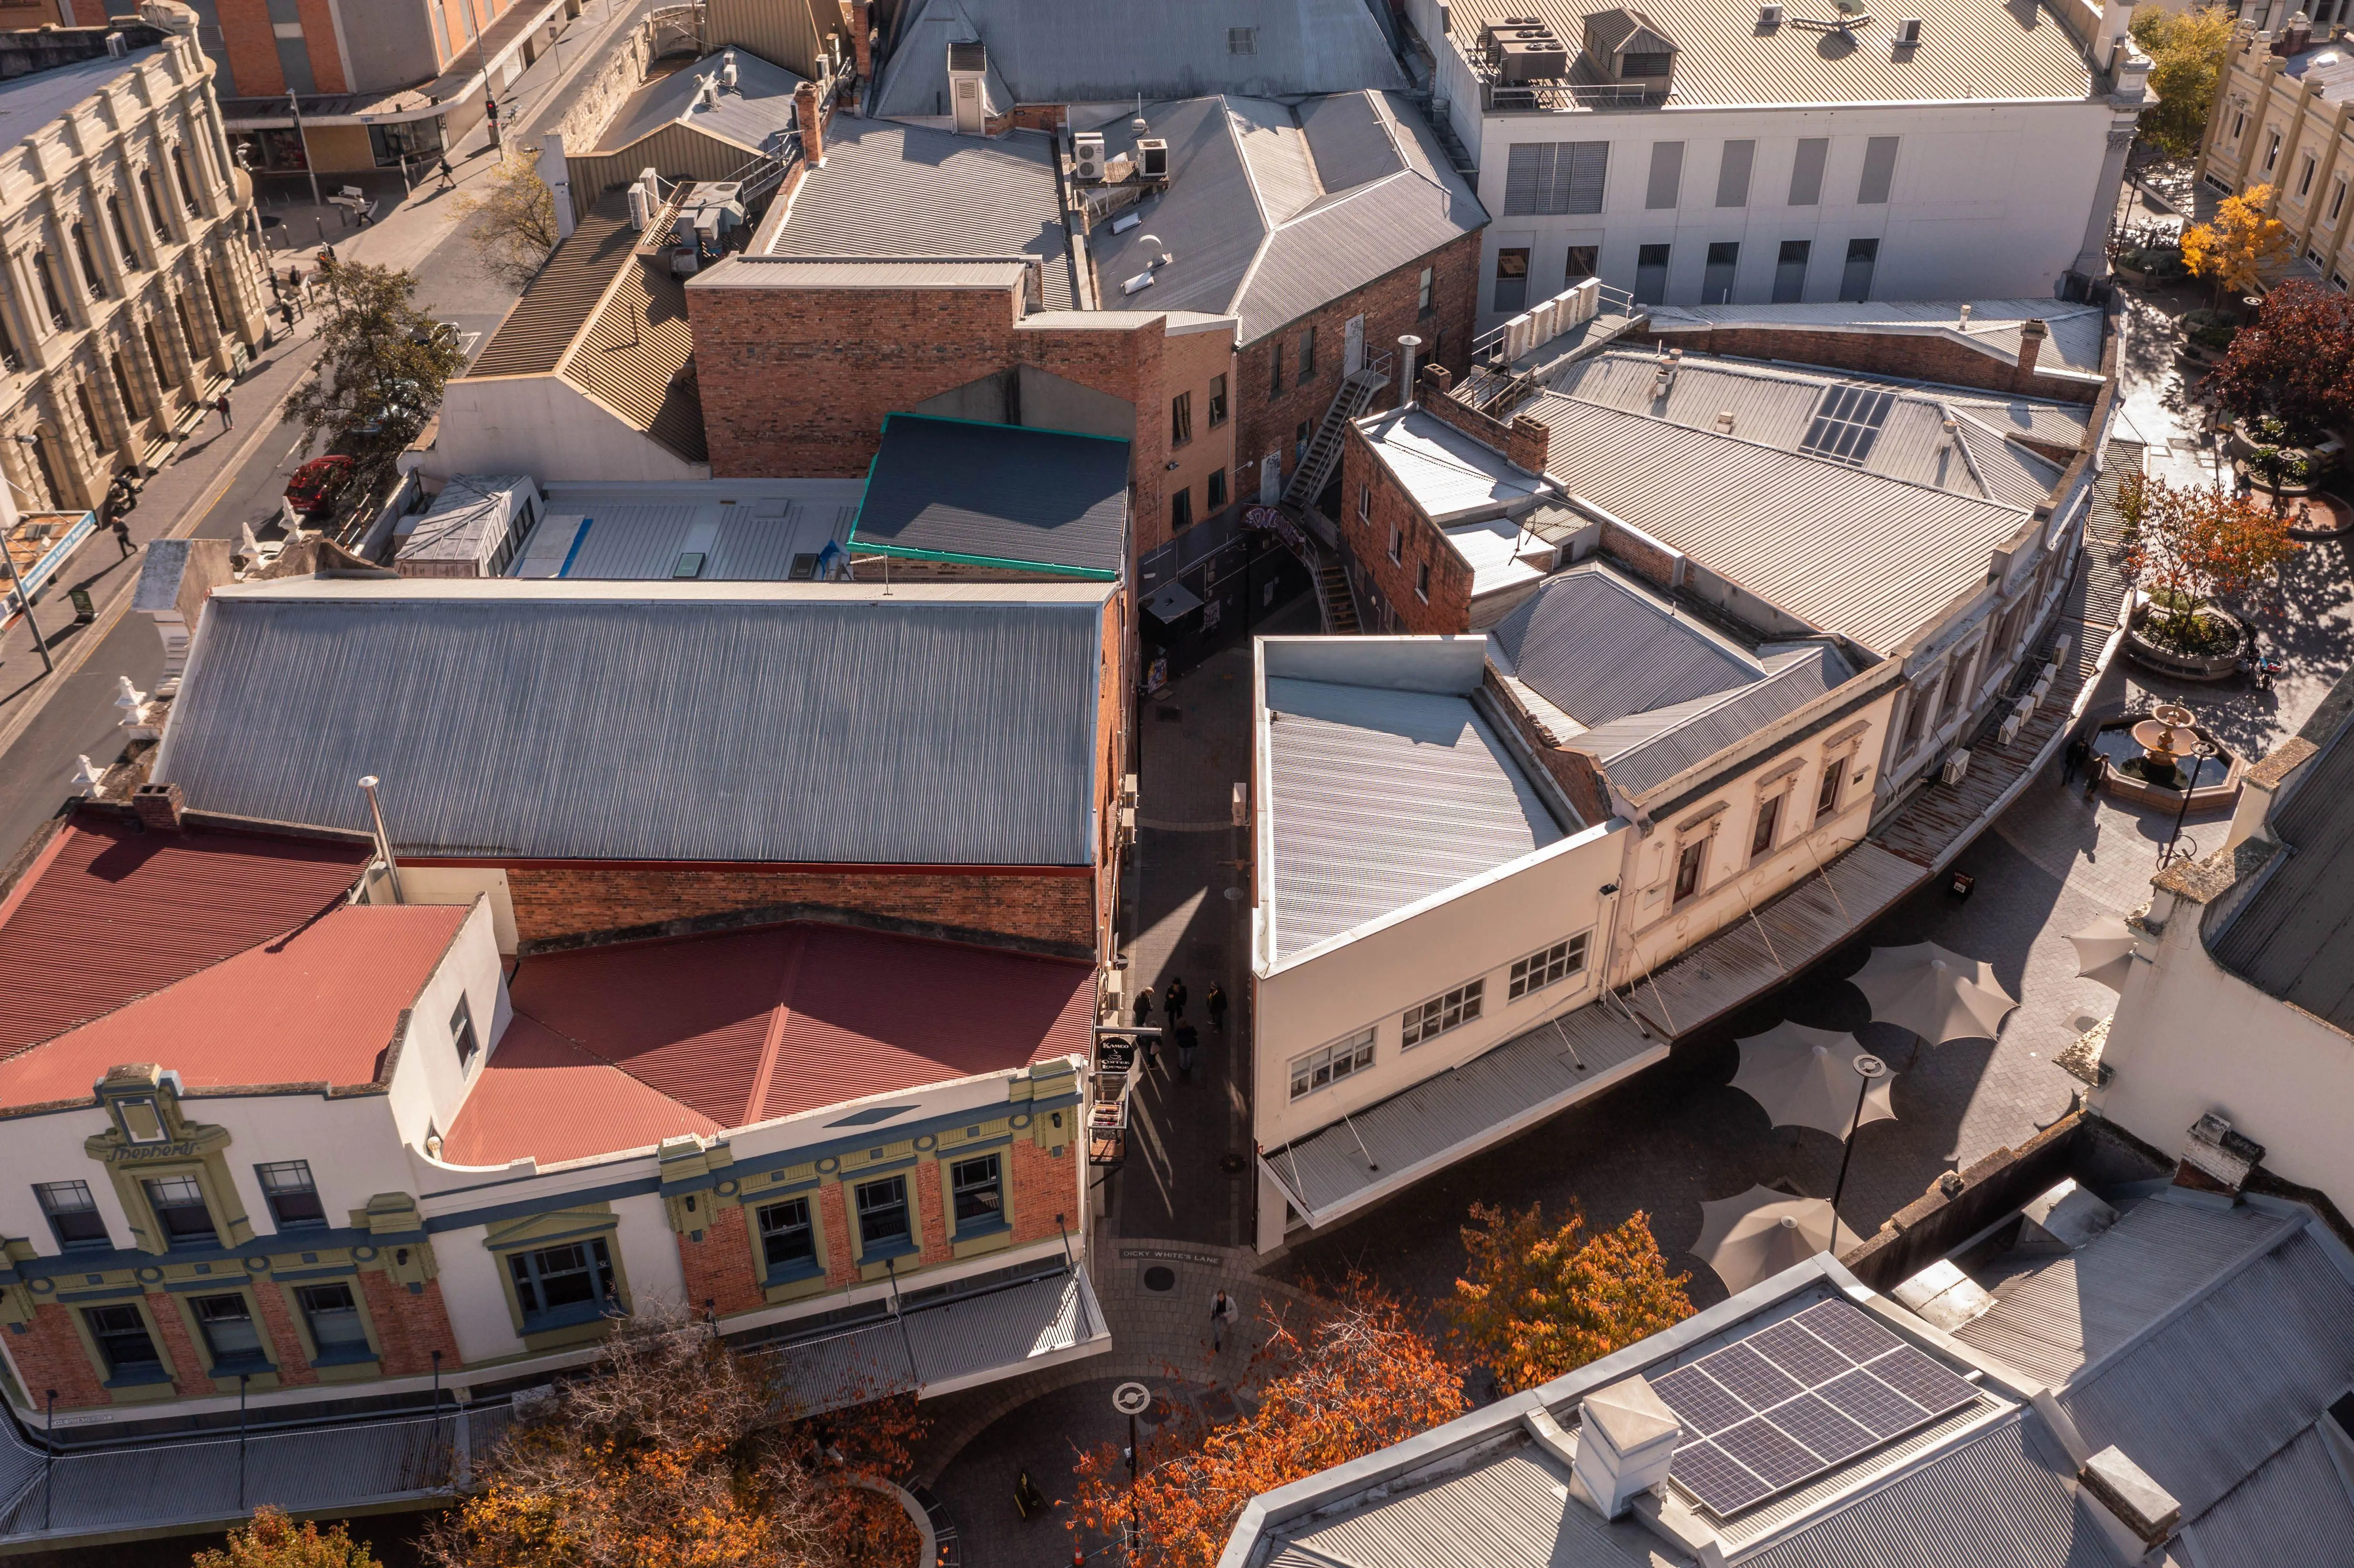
<point>1770,1454</point>
<point>1922,1380</point>
<point>1832,1437</point>
<point>1847,1330</point>
<point>1722,1486</point>
<point>1871,1404</point>
<point>1700,1402</point>
<point>1751,1377</point>
<point>1800,1353</point>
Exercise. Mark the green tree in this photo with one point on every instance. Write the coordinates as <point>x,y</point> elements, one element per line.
<point>272,1540</point>
<point>385,365</point>
<point>2186,61</point>
<point>1539,1300</point>
<point>512,224</point>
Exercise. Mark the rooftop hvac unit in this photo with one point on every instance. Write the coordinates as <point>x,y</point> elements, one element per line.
<point>728,71</point>
<point>1957,767</point>
<point>117,44</point>
<point>1152,158</point>
<point>1087,157</point>
<point>1769,17</point>
<point>1908,33</point>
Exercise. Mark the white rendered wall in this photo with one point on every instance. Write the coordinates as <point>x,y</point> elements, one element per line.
<point>543,426</point>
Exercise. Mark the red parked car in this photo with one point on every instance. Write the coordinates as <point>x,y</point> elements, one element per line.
<point>318,484</point>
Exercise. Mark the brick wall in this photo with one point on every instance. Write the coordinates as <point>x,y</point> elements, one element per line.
<point>48,1355</point>
<point>1042,1187</point>
<point>720,1268</point>
<point>1640,555</point>
<point>1447,608</point>
<point>179,1348</point>
<point>410,1324</point>
<point>1389,304</point>
<point>251,48</point>
<point>1923,357</point>
<point>319,37</point>
<point>293,1366</point>
<point>1572,770</point>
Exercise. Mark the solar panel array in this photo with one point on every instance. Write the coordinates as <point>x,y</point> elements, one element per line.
<point>1787,1403</point>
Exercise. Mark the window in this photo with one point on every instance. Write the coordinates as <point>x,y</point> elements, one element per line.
<point>1540,970</point>
<point>2337,197</point>
<point>1365,501</point>
<point>1652,274</point>
<point>1878,170</point>
<point>89,410</point>
<point>461,1032</point>
<point>2239,124</point>
<point>332,1313</point>
<point>1216,485</point>
<point>1180,510</point>
<point>123,1344</point>
<point>1307,355</point>
<point>1666,176</point>
<point>154,204</point>
<point>1274,370</point>
<point>1716,279</point>
<point>1397,543</point>
<point>1429,1020</point>
<point>1422,306</point>
<point>1769,822</point>
<point>50,295</point>
<point>1790,272</point>
<point>122,231</point>
<point>882,1216</point>
<point>187,190</point>
<point>1924,698</point>
<point>415,140</point>
<point>1846,422</point>
<point>123,387</point>
<point>1855,283</point>
<point>1550,178</point>
<point>1957,681</point>
<point>788,1240</point>
<point>1826,797</point>
<point>976,1187</point>
<point>293,1195</point>
<point>1422,581</point>
<point>1321,1069</point>
<point>1512,277</point>
<point>560,1285</point>
<point>179,1205</point>
<point>73,1216</point>
<point>1217,402</point>
<point>1688,862</point>
<point>1580,262</point>
<point>92,279</point>
<point>2304,176</point>
<point>1733,174</point>
<point>229,1334</point>
<point>1242,40</point>
<point>1807,173</point>
<point>187,323</point>
<point>154,353</point>
<point>2271,150</point>
<point>1180,418</point>
<point>9,358</point>
<point>688,564</point>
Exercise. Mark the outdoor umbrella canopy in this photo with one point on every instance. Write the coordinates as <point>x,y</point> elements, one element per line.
<point>1935,994</point>
<point>1761,1233</point>
<point>1808,1077</point>
<point>2105,951</point>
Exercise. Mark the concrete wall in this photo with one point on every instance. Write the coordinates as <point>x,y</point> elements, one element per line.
<point>391,43</point>
<point>543,425</point>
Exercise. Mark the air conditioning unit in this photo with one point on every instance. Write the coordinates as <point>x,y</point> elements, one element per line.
<point>1087,157</point>
<point>1152,158</point>
<point>2009,730</point>
<point>1957,767</point>
<point>1908,33</point>
<point>1768,18</point>
<point>2024,709</point>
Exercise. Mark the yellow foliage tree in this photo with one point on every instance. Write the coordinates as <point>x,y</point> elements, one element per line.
<point>1541,1301</point>
<point>272,1540</point>
<point>2243,248</point>
<point>2186,51</point>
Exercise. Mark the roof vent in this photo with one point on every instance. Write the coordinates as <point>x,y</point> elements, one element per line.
<point>1966,314</point>
<point>1724,422</point>
<point>1628,47</point>
<point>1908,33</point>
<point>117,44</point>
<point>2125,1491</point>
<point>1627,1436</point>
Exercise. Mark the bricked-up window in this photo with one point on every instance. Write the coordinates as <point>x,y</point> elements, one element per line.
<point>123,1344</point>
<point>1216,499</point>
<point>1548,966</point>
<point>1768,825</point>
<point>122,231</point>
<point>179,1205</point>
<point>332,1313</point>
<point>1827,799</point>
<point>556,1285</point>
<point>1422,582</point>
<point>883,1225</point>
<point>462,1033</point>
<point>229,1333</point>
<point>1217,402</point>
<point>1274,371</point>
<point>1180,510</point>
<point>1322,1068</point>
<point>1180,418</point>
<point>788,1240</point>
<point>1308,356</point>
<point>978,1189</point>
<point>1690,860</point>
<point>1421,292</point>
<point>154,204</point>
<point>1429,1020</point>
<point>73,1216</point>
<point>293,1195</point>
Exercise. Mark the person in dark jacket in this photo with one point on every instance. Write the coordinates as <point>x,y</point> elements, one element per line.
<point>1172,1000</point>
<point>1144,1014</point>
<point>1188,1037</point>
<point>1216,1002</point>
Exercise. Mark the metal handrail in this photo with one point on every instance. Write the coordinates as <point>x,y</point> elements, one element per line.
<point>1611,302</point>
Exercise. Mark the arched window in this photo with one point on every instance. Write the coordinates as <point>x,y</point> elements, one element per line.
<point>187,191</point>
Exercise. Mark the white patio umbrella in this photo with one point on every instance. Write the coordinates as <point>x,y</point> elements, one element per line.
<point>1809,1077</point>
<point>1761,1233</point>
<point>2105,951</point>
<point>1935,994</point>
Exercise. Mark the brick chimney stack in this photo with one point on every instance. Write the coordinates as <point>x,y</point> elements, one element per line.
<point>862,38</point>
<point>805,120</point>
<point>2031,334</point>
<point>1530,442</point>
<point>159,807</point>
<point>1436,380</point>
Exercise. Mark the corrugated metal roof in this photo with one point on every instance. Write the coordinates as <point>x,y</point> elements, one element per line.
<point>997,492</point>
<point>1642,751</point>
<point>1517,1084</point>
<point>909,191</point>
<point>1345,189</point>
<point>320,1006</point>
<point>1092,51</point>
<point>107,913</point>
<point>863,272</point>
<point>571,720</point>
<point>746,531</point>
<point>541,326</point>
<point>998,1332</point>
<point>2293,1509</point>
<point>1449,475</point>
<point>2294,936</point>
<point>1969,49</point>
<point>752,115</point>
<point>469,519</point>
<point>1599,647</point>
<point>2075,343</point>
<point>1382,799</point>
<point>2064,1312</point>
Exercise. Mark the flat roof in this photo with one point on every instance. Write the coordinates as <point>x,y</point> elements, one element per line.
<point>737,530</point>
<point>1453,478</point>
<point>2073,347</point>
<point>37,99</point>
<point>1000,495</point>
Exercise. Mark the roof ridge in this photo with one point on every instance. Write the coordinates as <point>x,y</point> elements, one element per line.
<point>778,1014</point>
<point>594,1055</point>
<point>1250,182</point>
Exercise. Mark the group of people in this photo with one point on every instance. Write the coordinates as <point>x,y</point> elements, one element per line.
<point>1186,1038</point>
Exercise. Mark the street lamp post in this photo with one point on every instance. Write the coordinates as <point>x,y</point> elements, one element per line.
<point>1132,1400</point>
<point>2202,749</point>
<point>310,166</point>
<point>1871,1069</point>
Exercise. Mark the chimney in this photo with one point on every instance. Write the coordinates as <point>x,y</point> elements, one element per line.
<point>2215,1158</point>
<point>1436,381</point>
<point>1626,1438</point>
<point>967,91</point>
<point>2297,38</point>
<point>2031,334</point>
<point>159,807</point>
<point>1528,444</point>
<point>862,38</point>
<point>2123,1492</point>
<point>1407,344</point>
<point>805,120</point>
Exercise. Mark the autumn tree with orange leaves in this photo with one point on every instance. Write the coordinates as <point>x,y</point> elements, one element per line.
<point>271,1539</point>
<point>676,1452</point>
<point>1540,1300</point>
<point>2189,543</point>
<point>1338,1378</point>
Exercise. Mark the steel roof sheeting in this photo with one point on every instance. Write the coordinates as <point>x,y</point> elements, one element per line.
<point>1599,647</point>
<point>1380,800</point>
<point>1004,493</point>
<point>2073,345</point>
<point>2293,1509</point>
<point>751,115</point>
<point>1087,51</point>
<point>748,531</point>
<point>1642,751</point>
<point>2294,936</point>
<point>1451,476</point>
<point>689,722</point>
<point>937,1347</point>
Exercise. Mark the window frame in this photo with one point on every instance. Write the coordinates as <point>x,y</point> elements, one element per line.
<point>1765,824</point>
<point>1397,545</point>
<point>777,1270</point>
<point>1215,486</point>
<point>463,1038</point>
<point>183,1241</point>
<point>102,1242</point>
<point>1364,502</point>
<point>1180,418</point>
<point>1548,965</point>
<point>1443,1014</point>
<point>1358,1050</point>
<point>1422,580</point>
<point>990,1217</point>
<point>1306,354</point>
<point>230,1363</point>
<point>1275,384</point>
<point>1507,258</point>
<point>1180,509</point>
<point>1216,409</point>
<point>338,1352</point>
<point>1425,289</point>
<point>267,1174</point>
<point>1691,871</point>
<point>597,1264</point>
<point>1830,787</point>
<point>909,1240</point>
<point>119,1374</point>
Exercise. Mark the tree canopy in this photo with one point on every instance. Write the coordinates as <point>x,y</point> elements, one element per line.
<point>1539,1300</point>
<point>271,1539</point>
<point>2194,543</point>
<point>2244,247</point>
<point>385,363</point>
<point>510,224</point>
<point>2295,362</point>
<point>2186,52</point>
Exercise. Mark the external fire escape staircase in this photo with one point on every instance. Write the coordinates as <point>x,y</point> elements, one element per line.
<point>1323,457</point>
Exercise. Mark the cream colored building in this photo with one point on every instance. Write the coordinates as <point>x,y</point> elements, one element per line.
<point>132,291</point>
<point>2282,119</point>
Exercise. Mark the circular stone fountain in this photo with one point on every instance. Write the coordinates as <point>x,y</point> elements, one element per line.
<point>2152,759</point>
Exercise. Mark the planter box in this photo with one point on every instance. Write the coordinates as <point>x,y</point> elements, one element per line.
<point>2186,666</point>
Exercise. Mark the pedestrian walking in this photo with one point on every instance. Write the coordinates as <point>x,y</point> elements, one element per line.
<point>1188,1037</point>
<point>2094,775</point>
<point>228,420</point>
<point>2072,761</point>
<point>1143,1013</point>
<point>449,179</point>
<point>122,537</point>
<point>1216,1002</point>
<point>1172,1000</point>
<point>1222,1312</point>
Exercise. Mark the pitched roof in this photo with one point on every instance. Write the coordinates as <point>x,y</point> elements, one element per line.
<point>909,191</point>
<point>1101,51</point>
<point>319,1005</point>
<point>933,725</point>
<point>954,490</point>
<point>1273,210</point>
<point>107,913</point>
<point>617,1048</point>
<point>2294,934</point>
<point>751,115</point>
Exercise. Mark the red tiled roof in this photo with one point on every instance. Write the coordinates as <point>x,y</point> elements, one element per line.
<point>742,1027</point>
<point>107,913</point>
<point>318,1005</point>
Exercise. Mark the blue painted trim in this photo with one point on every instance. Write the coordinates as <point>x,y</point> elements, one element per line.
<point>896,1249</point>
<point>324,1271</point>
<point>137,1379</point>
<point>562,1318</point>
<point>580,537</point>
<point>112,1293</point>
<point>793,1274</point>
<point>643,1186</point>
<point>977,1231</point>
<point>357,1356</point>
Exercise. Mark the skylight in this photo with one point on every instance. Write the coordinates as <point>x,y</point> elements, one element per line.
<point>1846,422</point>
